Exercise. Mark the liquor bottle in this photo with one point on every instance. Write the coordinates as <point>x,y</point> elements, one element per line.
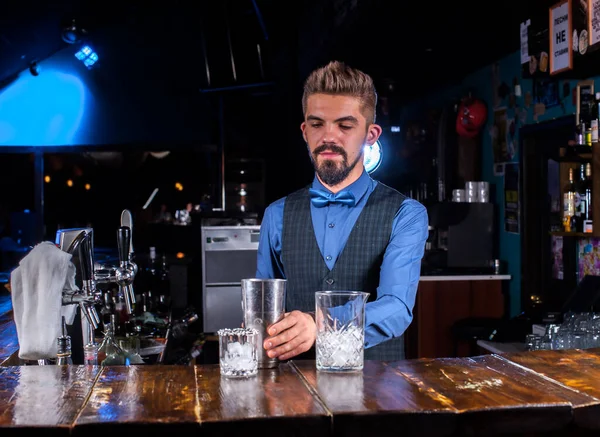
<point>569,194</point>
<point>107,309</point>
<point>585,192</point>
<point>63,355</point>
<point>109,352</point>
<point>152,268</point>
<point>580,202</point>
<point>163,304</point>
<point>151,279</point>
<point>194,353</point>
<point>122,314</point>
<point>594,122</point>
<point>179,327</point>
<point>90,354</point>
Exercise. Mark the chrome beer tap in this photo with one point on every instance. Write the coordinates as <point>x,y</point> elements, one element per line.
<point>123,274</point>
<point>80,243</point>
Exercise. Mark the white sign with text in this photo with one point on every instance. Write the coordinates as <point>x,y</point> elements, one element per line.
<point>594,21</point>
<point>561,54</point>
<point>524,41</point>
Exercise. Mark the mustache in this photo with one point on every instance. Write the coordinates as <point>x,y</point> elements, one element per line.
<point>330,148</point>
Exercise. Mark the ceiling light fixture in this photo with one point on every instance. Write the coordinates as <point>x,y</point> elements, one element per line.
<point>87,56</point>
<point>34,68</point>
<point>72,33</point>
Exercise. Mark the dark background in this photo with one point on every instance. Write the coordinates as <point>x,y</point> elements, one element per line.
<point>152,92</point>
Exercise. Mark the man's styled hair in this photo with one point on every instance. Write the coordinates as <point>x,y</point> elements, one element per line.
<point>336,78</point>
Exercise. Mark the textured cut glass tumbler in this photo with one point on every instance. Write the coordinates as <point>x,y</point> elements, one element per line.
<point>340,318</point>
<point>238,352</point>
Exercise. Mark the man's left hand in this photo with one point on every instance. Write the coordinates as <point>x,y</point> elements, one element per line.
<point>291,336</point>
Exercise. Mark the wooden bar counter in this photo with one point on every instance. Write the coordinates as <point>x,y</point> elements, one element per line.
<point>537,393</point>
<point>534,393</point>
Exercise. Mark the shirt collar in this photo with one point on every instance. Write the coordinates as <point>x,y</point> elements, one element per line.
<point>358,187</point>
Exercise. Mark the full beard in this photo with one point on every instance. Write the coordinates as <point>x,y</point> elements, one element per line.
<point>332,172</point>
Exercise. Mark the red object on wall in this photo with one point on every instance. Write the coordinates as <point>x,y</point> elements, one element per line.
<point>471,117</point>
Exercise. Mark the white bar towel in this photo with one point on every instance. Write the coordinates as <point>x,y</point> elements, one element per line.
<point>37,284</point>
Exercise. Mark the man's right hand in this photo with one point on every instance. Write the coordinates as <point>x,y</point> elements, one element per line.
<point>294,334</point>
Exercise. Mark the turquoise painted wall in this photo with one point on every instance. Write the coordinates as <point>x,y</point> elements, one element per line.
<point>481,83</point>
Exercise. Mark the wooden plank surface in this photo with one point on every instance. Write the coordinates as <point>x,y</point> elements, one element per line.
<point>586,408</point>
<point>379,402</point>
<point>145,399</point>
<point>531,392</point>
<point>9,343</point>
<point>43,398</point>
<point>185,399</point>
<point>490,403</point>
<point>576,369</point>
<point>276,402</point>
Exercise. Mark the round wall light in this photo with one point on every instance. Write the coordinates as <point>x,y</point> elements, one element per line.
<point>372,157</point>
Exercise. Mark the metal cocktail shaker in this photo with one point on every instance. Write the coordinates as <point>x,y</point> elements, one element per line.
<point>263,303</point>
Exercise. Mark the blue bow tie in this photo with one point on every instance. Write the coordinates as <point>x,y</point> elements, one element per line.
<point>322,198</point>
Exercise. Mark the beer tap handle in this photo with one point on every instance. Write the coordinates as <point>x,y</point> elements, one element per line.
<point>124,242</point>
<point>129,296</point>
<point>127,220</point>
<point>94,314</point>
<point>90,313</point>
<point>87,259</point>
<point>131,293</point>
<point>83,244</point>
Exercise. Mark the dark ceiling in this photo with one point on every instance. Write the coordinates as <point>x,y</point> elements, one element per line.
<point>416,46</point>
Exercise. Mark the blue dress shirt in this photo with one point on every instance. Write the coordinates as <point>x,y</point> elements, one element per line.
<point>391,313</point>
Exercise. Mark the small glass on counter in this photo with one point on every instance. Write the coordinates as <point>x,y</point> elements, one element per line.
<point>238,352</point>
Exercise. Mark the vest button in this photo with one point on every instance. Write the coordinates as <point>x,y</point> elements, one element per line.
<point>329,281</point>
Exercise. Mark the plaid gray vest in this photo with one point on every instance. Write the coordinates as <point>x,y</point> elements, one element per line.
<point>358,265</point>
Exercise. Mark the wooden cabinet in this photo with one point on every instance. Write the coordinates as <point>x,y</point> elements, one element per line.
<point>442,303</point>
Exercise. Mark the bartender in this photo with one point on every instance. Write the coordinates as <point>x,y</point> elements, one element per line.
<point>345,231</point>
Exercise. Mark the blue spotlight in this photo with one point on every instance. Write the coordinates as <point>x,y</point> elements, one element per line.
<point>87,56</point>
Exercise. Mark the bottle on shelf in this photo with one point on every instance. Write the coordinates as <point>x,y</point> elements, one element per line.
<point>107,309</point>
<point>595,118</point>
<point>152,269</point>
<point>569,195</point>
<point>90,354</point>
<point>193,353</point>
<point>580,134</point>
<point>580,201</point>
<point>585,192</point>
<point>179,327</point>
<point>122,314</point>
<point>63,355</point>
<point>163,304</point>
<point>109,352</point>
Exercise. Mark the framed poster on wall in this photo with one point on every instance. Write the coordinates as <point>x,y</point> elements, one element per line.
<point>512,203</point>
<point>560,34</point>
<point>593,22</point>
<point>584,101</point>
<point>535,46</point>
